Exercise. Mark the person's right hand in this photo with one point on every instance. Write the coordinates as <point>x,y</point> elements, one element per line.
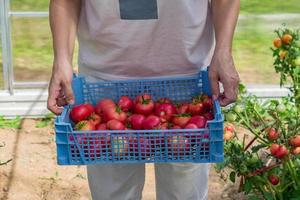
<point>60,91</point>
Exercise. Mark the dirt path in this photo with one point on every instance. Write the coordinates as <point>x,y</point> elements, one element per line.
<point>34,175</point>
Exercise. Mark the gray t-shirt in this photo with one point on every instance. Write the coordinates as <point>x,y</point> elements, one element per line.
<point>123,39</point>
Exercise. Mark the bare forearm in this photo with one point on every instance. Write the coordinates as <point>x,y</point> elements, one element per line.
<point>64,15</point>
<point>225,15</point>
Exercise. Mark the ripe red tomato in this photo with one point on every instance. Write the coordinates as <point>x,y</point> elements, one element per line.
<point>272,134</point>
<point>151,122</point>
<point>114,113</point>
<point>207,102</point>
<point>196,108</point>
<point>274,148</point>
<point>296,151</point>
<point>277,42</point>
<point>125,103</point>
<point>101,126</point>
<point>145,146</point>
<point>143,104</point>
<point>94,146</point>
<point>178,145</point>
<point>95,119</point>
<point>182,108</point>
<point>295,141</point>
<point>90,107</point>
<point>181,120</point>
<point>209,116</point>
<point>136,121</point>
<point>84,125</point>
<point>177,127</point>
<point>279,151</point>
<point>165,111</point>
<point>162,101</point>
<point>287,38</point>
<point>103,104</point>
<point>274,180</point>
<point>142,97</point>
<point>163,125</point>
<point>229,127</point>
<point>191,126</point>
<point>200,121</point>
<point>228,135</point>
<point>115,125</point>
<point>79,113</point>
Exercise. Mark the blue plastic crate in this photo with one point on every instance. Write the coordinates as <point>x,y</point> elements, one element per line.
<point>140,146</point>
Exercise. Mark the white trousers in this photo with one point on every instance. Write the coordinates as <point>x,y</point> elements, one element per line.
<point>182,181</point>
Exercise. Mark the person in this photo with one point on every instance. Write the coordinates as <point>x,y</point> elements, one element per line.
<point>129,39</point>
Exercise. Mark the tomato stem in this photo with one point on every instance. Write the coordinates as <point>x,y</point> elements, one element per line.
<point>291,168</point>
<point>250,143</point>
<point>264,169</point>
<point>241,183</point>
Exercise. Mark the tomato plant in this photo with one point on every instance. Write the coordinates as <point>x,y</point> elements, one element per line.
<point>268,164</point>
<point>287,63</point>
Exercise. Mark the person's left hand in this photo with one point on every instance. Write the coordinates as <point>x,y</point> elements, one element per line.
<point>222,70</point>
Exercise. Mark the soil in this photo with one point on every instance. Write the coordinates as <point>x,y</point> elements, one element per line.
<point>34,175</point>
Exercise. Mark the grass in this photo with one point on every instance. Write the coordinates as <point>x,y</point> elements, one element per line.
<point>35,43</point>
<point>32,5</point>
<point>32,46</point>
<point>269,6</point>
<point>251,49</point>
<point>10,123</point>
<point>45,121</point>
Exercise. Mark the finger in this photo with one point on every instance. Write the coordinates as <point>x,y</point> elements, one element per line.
<point>214,83</point>
<point>53,93</point>
<point>52,106</point>
<point>230,95</point>
<point>61,101</point>
<point>226,101</point>
<point>69,93</point>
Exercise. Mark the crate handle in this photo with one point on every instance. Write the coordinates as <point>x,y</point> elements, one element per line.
<point>64,113</point>
<point>218,110</point>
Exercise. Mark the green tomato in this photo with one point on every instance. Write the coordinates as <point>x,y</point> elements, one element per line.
<point>253,160</point>
<point>280,108</point>
<point>243,169</point>
<point>297,61</point>
<point>238,108</point>
<point>230,117</point>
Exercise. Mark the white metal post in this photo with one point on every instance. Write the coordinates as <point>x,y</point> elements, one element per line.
<point>8,75</point>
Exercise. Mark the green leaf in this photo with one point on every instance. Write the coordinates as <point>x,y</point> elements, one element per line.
<point>10,123</point>
<point>257,148</point>
<point>47,120</point>
<point>295,195</point>
<point>42,124</point>
<point>268,196</point>
<point>232,176</point>
<point>248,186</point>
<point>222,165</point>
<point>242,89</point>
<point>253,197</point>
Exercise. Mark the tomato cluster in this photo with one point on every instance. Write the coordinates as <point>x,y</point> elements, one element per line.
<point>141,113</point>
<point>280,150</point>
